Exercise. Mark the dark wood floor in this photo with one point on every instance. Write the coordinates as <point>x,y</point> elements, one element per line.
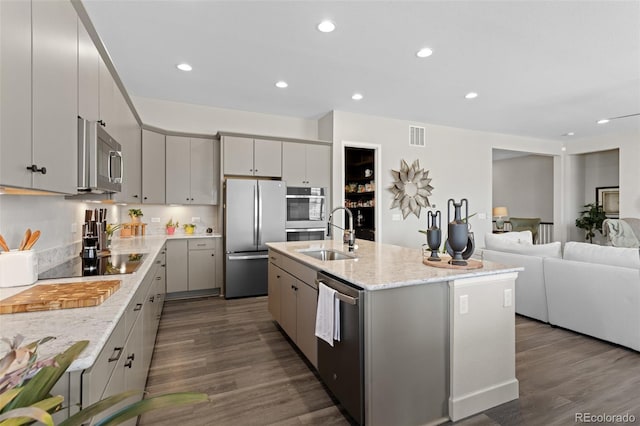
<point>235,353</point>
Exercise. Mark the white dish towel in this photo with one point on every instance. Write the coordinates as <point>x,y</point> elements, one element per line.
<point>328,315</point>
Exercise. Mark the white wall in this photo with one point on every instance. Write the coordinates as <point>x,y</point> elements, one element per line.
<point>525,186</point>
<point>181,117</point>
<point>629,172</point>
<point>459,162</point>
<point>600,169</point>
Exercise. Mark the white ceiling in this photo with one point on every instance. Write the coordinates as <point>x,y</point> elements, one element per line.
<point>541,68</point>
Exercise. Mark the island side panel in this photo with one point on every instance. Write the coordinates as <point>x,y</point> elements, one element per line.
<point>407,355</point>
<point>482,344</point>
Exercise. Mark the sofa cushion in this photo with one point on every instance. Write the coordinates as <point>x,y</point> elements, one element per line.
<point>604,255</point>
<point>506,245</point>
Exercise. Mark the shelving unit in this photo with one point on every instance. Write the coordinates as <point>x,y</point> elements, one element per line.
<point>359,191</point>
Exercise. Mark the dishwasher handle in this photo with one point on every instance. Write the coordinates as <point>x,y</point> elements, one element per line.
<point>342,297</point>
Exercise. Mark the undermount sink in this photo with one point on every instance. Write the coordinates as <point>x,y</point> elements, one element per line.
<point>327,254</point>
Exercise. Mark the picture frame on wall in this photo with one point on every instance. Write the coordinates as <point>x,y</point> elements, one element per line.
<point>609,198</point>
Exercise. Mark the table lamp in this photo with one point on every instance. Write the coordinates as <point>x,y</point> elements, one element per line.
<point>500,213</point>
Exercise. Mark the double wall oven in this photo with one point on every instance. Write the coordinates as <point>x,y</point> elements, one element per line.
<point>306,213</point>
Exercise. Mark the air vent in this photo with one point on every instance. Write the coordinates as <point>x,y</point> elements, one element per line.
<point>417,136</point>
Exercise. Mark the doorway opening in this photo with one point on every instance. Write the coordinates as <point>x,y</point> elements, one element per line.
<point>360,190</point>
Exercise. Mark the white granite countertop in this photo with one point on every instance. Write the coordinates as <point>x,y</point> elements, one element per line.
<point>380,266</point>
<point>94,323</point>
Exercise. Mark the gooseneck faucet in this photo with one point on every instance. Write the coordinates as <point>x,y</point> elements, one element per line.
<point>352,234</point>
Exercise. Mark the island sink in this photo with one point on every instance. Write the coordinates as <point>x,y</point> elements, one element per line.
<point>326,254</point>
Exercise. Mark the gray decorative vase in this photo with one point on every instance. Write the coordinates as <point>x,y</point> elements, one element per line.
<point>434,234</point>
<point>458,231</point>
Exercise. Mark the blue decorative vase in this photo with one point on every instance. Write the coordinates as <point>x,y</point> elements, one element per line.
<point>434,234</point>
<point>458,235</point>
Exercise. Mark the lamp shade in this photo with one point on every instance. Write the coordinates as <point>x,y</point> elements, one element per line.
<point>500,212</point>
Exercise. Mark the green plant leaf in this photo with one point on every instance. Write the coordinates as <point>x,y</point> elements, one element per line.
<point>20,416</point>
<point>162,401</point>
<point>98,407</point>
<point>39,386</point>
<point>7,396</point>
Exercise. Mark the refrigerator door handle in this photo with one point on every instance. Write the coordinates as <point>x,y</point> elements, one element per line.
<point>259,216</point>
<point>248,257</point>
<point>256,195</point>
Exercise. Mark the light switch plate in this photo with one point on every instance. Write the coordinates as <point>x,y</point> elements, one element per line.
<point>195,220</point>
<point>155,220</point>
<point>482,215</point>
<point>464,304</point>
<point>396,217</point>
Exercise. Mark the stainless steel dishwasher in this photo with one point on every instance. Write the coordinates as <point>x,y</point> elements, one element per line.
<point>341,367</point>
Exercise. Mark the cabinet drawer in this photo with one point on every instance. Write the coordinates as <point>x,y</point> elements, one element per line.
<point>275,258</point>
<point>137,303</point>
<point>95,379</point>
<point>300,271</point>
<point>202,244</point>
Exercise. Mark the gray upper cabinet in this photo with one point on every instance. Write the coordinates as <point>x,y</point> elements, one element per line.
<point>306,164</point>
<point>130,137</point>
<point>107,88</point>
<point>88,76</point>
<point>15,87</point>
<point>190,171</point>
<point>153,167</point>
<point>55,96</point>
<point>252,157</point>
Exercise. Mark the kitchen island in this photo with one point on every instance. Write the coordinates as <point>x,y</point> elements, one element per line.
<point>438,343</point>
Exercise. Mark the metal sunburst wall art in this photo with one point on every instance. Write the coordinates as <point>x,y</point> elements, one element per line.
<point>411,188</point>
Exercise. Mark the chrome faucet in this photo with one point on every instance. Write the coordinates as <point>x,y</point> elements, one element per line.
<point>352,234</point>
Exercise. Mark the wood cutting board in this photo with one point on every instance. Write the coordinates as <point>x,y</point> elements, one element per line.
<point>48,297</point>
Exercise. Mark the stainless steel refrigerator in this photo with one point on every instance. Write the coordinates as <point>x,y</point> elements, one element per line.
<point>255,214</point>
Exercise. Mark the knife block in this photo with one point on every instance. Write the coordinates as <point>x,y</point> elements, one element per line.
<point>18,268</point>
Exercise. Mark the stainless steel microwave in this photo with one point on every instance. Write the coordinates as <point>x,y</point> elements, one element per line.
<point>100,164</point>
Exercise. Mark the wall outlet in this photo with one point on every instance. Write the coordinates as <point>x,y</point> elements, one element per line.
<point>74,228</point>
<point>195,220</point>
<point>508,297</point>
<point>464,304</point>
<point>155,220</point>
<point>396,217</point>
<point>482,215</point>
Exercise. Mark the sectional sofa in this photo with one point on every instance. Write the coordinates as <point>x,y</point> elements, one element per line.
<point>591,289</point>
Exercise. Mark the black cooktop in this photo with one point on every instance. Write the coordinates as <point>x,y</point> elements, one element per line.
<point>114,264</point>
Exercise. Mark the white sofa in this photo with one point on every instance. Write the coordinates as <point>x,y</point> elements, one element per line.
<point>591,289</point>
<point>595,290</point>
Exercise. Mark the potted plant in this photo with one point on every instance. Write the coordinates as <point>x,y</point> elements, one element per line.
<point>591,220</point>
<point>135,215</point>
<point>171,226</point>
<point>111,228</point>
<point>26,383</point>
<point>189,228</point>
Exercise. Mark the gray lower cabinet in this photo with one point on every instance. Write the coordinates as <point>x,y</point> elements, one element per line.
<point>293,301</point>
<point>124,361</point>
<point>192,265</point>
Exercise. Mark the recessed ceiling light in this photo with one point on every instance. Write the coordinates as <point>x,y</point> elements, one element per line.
<point>564,148</point>
<point>282,84</point>
<point>603,121</point>
<point>569,134</point>
<point>471,95</point>
<point>357,96</point>
<point>184,67</point>
<point>326,26</point>
<point>424,52</point>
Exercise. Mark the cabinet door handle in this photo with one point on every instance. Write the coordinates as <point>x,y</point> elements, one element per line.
<point>130,359</point>
<point>35,169</point>
<point>212,254</point>
<point>117,351</point>
<point>158,278</point>
<point>145,198</point>
<point>102,123</point>
<point>277,276</point>
<point>135,196</point>
<point>201,245</point>
<point>138,307</point>
<point>151,299</point>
